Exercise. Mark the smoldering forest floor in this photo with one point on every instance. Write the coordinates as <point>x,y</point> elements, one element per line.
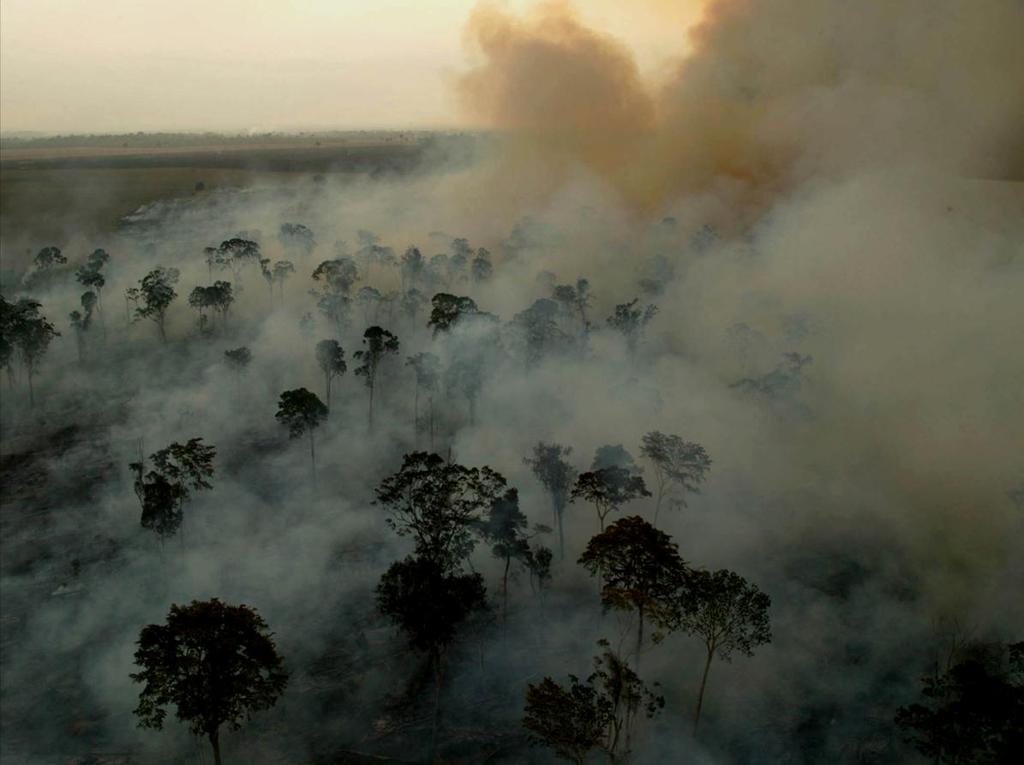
<point>79,577</point>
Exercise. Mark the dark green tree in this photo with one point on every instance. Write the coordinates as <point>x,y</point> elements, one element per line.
<point>438,504</point>
<point>726,612</point>
<point>30,333</point>
<point>303,413</point>
<point>447,310</point>
<point>378,344</point>
<point>640,570</point>
<point>215,663</point>
<point>156,292</point>
<point>607,489</point>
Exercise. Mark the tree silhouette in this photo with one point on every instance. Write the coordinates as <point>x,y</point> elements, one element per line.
<point>677,463</point>
<point>504,527</point>
<point>156,291</point>
<point>607,489</point>
<point>238,358</point>
<point>303,413</point>
<point>640,570</point>
<point>297,238</point>
<point>428,603</point>
<point>630,321</point>
<point>427,367</point>
<point>438,503</point>
<point>725,611</point>
<point>330,357</point>
<point>215,663</point>
<point>557,475</point>
<point>973,712</point>
<point>178,470</point>
<point>447,310</point>
<point>28,331</point>
<point>379,343</point>
<point>596,713</point>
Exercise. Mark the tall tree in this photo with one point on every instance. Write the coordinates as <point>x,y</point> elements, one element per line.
<point>156,291</point>
<point>438,504</point>
<point>90,274</point>
<point>429,602</point>
<point>330,357</point>
<point>27,330</point>
<point>678,464</point>
<point>303,413</point>
<point>297,238</point>
<point>427,367</point>
<point>726,612</point>
<point>215,663</point>
<point>378,344</point>
<point>238,358</point>
<point>553,470</point>
<point>239,253</point>
<point>607,489</point>
<point>413,266</point>
<point>640,570</point>
<point>575,300</point>
<point>178,471</point>
<point>505,529</point>
<point>481,268</point>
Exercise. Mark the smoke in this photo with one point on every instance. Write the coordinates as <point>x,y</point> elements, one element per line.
<point>769,96</point>
<point>835,180</point>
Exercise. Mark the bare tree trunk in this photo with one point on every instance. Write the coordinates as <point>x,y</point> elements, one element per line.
<point>312,454</point>
<point>437,706</point>
<point>504,589</point>
<point>703,683</point>
<point>431,422</point>
<point>31,389</point>
<point>215,743</point>
<point>371,408</point>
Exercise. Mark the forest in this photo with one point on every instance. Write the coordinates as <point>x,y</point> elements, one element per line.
<point>674,427</point>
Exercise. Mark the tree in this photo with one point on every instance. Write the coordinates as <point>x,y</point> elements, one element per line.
<point>238,358</point>
<point>82,320</point>
<point>178,470</point>
<point>28,331</point>
<point>596,713</point>
<point>297,238</point>
<point>428,603</point>
<point>302,412</point>
<point>48,257</point>
<point>282,270</point>
<point>379,344</point>
<point>427,367</point>
<point>330,357</point>
<point>539,332</point>
<point>614,455</point>
<point>974,711</point>
<point>337,275</point>
<point>413,266</point>
<point>608,489</point>
<point>438,504</point>
<point>90,274</point>
<point>411,302</point>
<point>465,375</point>
<point>640,570</point>
<point>557,475</point>
<point>481,267</point>
<point>448,309</point>
<point>156,291</point>
<point>216,663</point>
<point>725,611</point>
<point>575,300</point>
<point>630,321</point>
<point>370,299</point>
<point>677,463</point>
<point>504,528</point>
<point>218,296</point>
<point>239,253</point>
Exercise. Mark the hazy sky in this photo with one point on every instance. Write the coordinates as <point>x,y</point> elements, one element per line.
<point>120,65</point>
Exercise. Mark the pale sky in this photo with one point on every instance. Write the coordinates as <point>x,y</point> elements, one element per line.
<point>126,65</point>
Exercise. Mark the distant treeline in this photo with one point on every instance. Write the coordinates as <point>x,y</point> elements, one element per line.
<point>142,140</point>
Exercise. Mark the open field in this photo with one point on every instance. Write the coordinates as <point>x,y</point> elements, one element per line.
<point>65,193</point>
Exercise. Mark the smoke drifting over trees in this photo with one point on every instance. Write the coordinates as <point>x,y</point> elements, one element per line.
<point>777,296</point>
